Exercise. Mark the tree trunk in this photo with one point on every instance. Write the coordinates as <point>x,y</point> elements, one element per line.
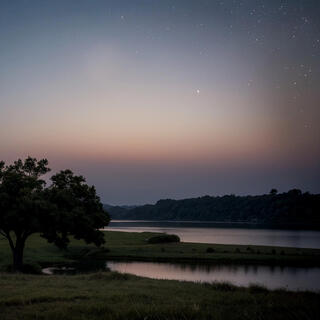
<point>17,253</point>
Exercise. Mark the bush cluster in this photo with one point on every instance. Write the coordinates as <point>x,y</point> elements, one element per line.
<point>165,238</point>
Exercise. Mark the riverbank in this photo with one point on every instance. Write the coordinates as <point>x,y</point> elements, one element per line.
<point>109,295</point>
<point>134,246</point>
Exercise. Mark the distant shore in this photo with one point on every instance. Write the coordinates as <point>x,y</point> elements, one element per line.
<point>230,224</point>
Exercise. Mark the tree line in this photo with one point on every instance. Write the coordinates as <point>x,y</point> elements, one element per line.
<point>289,208</point>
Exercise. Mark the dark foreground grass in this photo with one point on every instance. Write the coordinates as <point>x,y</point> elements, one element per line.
<point>109,295</point>
<point>135,246</point>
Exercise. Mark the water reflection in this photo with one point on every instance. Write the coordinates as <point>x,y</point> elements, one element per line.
<point>270,276</point>
<point>219,233</point>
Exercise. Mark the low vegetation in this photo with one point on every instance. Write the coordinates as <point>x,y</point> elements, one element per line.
<point>109,295</point>
<point>164,238</point>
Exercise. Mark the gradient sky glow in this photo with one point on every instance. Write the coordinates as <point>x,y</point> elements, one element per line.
<point>153,99</point>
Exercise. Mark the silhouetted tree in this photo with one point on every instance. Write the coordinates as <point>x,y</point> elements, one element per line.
<point>273,191</point>
<point>68,207</point>
<point>295,192</point>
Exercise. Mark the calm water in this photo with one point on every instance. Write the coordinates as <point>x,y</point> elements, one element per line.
<point>271,277</point>
<point>291,278</point>
<point>208,232</point>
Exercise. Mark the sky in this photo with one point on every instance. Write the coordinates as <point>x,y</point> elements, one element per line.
<point>154,99</point>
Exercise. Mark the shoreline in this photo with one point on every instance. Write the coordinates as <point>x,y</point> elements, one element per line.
<point>230,224</point>
<point>135,248</point>
<point>218,261</point>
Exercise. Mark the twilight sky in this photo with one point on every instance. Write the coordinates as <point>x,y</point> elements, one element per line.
<point>152,99</point>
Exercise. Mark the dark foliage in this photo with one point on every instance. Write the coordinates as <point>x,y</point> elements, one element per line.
<point>290,208</point>
<point>68,207</point>
<point>165,238</point>
<point>30,268</point>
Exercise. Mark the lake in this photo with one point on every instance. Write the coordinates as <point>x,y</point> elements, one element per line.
<point>291,278</point>
<point>222,233</point>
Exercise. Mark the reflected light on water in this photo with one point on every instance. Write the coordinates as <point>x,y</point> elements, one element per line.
<point>206,232</point>
<point>272,277</point>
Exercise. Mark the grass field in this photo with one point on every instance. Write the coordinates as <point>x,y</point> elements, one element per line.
<point>109,295</point>
<point>134,246</point>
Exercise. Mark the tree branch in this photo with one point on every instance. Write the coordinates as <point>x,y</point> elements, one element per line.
<point>10,241</point>
<point>26,234</point>
<point>3,234</point>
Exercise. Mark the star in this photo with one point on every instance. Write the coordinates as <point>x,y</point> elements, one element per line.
<point>198,91</point>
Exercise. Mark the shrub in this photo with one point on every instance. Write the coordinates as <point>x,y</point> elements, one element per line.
<point>223,286</point>
<point>107,276</point>
<point>164,238</point>
<point>210,250</point>
<point>257,288</point>
<point>29,268</point>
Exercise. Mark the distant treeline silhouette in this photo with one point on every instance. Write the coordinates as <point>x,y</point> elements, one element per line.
<point>290,208</point>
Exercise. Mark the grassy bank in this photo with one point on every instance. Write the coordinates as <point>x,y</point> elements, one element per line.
<point>111,295</point>
<point>134,246</point>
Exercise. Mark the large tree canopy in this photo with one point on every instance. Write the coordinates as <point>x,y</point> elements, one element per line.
<point>67,207</point>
